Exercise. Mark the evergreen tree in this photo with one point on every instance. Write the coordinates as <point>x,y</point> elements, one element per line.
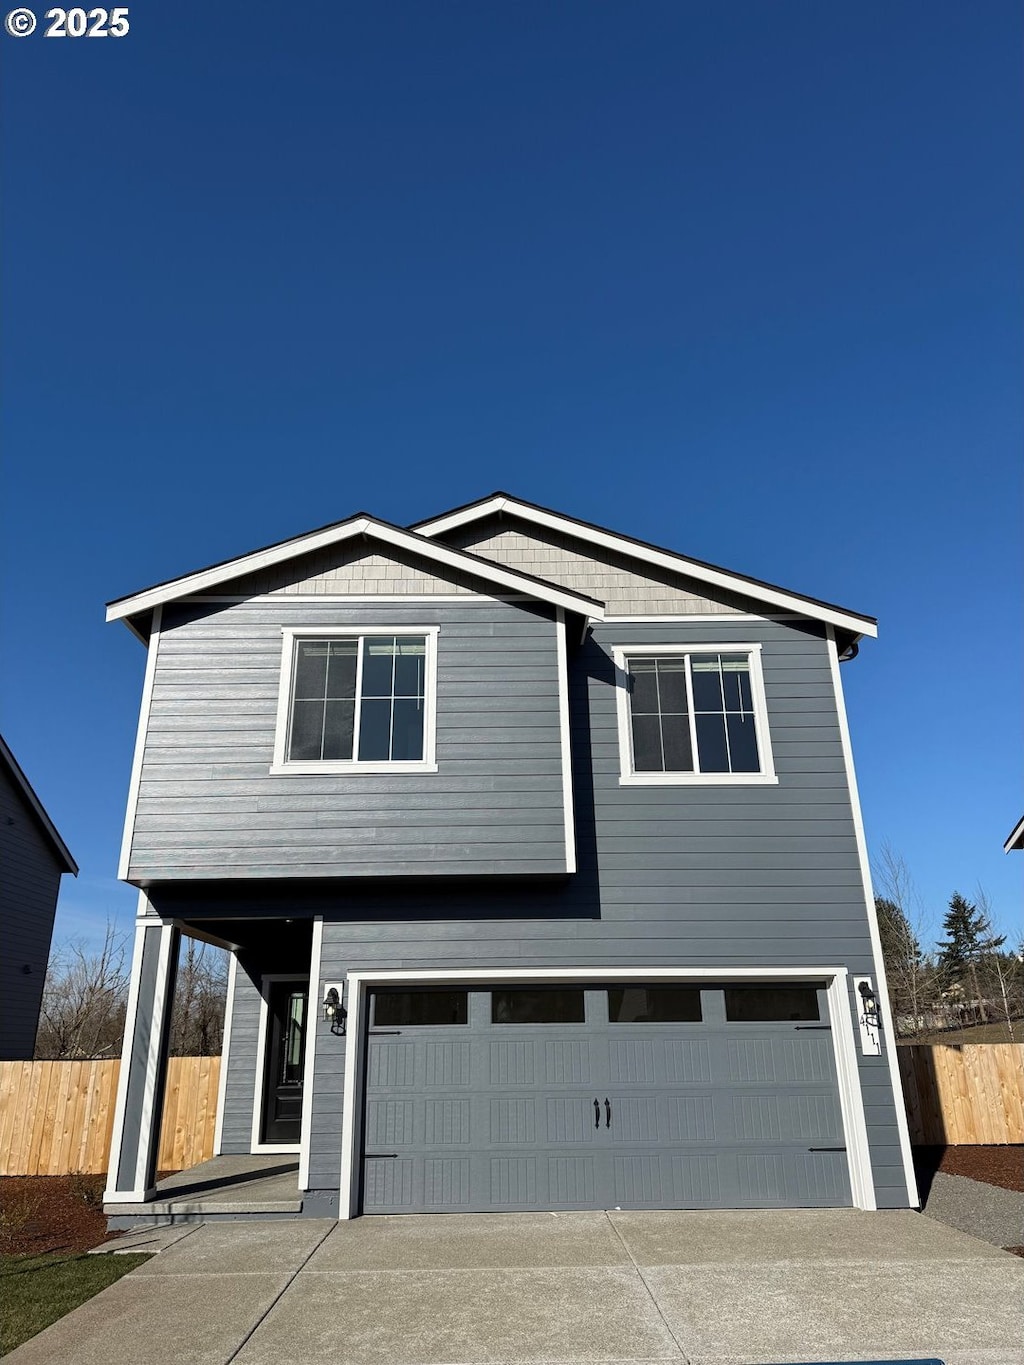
<point>969,939</point>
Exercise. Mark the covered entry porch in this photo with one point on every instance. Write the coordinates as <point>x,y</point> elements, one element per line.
<point>257,1168</point>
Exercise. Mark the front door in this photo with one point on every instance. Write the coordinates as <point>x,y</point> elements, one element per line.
<point>287,1004</point>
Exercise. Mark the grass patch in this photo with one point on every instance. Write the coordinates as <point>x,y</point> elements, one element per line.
<point>37,1290</point>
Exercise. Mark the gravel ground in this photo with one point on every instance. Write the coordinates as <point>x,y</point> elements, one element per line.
<point>985,1211</point>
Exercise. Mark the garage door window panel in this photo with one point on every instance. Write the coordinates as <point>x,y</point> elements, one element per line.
<point>771,1004</point>
<point>546,1005</point>
<point>419,1009</point>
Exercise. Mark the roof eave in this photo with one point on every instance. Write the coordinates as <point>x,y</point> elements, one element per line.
<point>461,560</point>
<point>38,808</point>
<point>854,622</point>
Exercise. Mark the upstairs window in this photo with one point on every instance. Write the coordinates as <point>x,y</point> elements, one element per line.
<point>693,714</point>
<point>356,702</point>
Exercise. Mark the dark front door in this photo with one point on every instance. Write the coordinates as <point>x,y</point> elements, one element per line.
<point>287,1003</point>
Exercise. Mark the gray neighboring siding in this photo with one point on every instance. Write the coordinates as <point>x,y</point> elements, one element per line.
<point>209,808</point>
<point>30,873</point>
<point>236,1131</point>
<point>684,876</point>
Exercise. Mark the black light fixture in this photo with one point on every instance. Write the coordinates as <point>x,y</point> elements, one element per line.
<point>334,1010</point>
<point>869,999</point>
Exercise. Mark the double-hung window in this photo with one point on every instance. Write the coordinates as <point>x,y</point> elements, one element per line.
<point>693,713</point>
<point>358,701</point>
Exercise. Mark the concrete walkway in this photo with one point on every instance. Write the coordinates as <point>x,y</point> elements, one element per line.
<point>615,1289</point>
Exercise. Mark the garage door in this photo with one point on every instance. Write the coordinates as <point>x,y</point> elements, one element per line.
<point>631,1096</point>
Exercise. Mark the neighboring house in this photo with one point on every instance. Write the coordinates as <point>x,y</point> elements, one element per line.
<point>568,823</point>
<point>33,858</point>
<point>1016,838</point>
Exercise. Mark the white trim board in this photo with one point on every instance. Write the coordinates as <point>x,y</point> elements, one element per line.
<point>152,1102</point>
<point>858,1153</point>
<point>128,1041</point>
<point>225,1055</point>
<point>888,1037</point>
<point>649,554</point>
<point>394,536</point>
<point>256,1147</point>
<point>145,707</point>
<point>565,740</point>
<point>380,598</point>
<point>309,1055</point>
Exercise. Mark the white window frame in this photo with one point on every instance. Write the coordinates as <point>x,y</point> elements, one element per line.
<point>283,766</point>
<point>629,777</point>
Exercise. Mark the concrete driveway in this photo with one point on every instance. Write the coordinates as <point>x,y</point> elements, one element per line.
<point>713,1288</point>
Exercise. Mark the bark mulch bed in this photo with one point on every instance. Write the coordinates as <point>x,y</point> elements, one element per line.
<point>992,1165</point>
<point>48,1213</point>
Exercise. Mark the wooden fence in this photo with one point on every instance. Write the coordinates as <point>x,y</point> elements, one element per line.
<point>57,1117</point>
<point>971,1093</point>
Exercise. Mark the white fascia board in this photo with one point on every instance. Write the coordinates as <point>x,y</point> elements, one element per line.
<point>1016,839</point>
<point>412,542</point>
<point>675,563</point>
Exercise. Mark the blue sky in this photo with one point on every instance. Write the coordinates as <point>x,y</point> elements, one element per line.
<point>743,279</point>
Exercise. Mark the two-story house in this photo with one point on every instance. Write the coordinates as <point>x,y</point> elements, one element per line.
<point>538,853</point>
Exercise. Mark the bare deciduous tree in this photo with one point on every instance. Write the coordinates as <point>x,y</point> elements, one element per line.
<point>901,923</point>
<point>84,1000</point>
<point>200,992</point>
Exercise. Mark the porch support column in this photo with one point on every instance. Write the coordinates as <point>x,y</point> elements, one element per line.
<point>140,1088</point>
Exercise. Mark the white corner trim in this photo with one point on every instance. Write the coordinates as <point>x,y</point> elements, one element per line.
<point>152,1102</point>
<point>256,1145</point>
<point>851,1099</point>
<point>648,554</point>
<point>225,1055</point>
<point>140,747</point>
<point>767,777</point>
<point>127,1043</point>
<point>355,1040</point>
<point>565,738</point>
<point>409,541</point>
<point>309,1055</point>
<point>902,1127</point>
<point>282,766</point>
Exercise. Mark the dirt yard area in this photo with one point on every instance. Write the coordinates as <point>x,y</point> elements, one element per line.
<point>48,1213</point>
<point>992,1165</point>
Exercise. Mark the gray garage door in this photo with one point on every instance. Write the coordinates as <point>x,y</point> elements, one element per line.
<point>620,1097</point>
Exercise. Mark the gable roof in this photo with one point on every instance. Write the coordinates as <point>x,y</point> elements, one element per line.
<point>36,806</point>
<point>653,555</point>
<point>1016,839</point>
<point>362,524</point>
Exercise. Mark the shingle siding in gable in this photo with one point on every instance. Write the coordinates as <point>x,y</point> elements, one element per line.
<point>350,570</point>
<point>29,884</point>
<point>620,582</point>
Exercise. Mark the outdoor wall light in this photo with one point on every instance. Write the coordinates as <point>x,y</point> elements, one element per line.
<point>870,1004</point>
<point>334,1010</point>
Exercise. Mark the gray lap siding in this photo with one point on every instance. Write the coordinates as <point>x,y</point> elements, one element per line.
<point>688,876</point>
<point>209,807</point>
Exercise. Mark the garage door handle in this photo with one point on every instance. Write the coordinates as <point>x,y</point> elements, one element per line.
<point>597,1113</point>
<point>826,1149</point>
<point>607,1113</point>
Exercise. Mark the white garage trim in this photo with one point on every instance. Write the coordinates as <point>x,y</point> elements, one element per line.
<point>889,1030</point>
<point>851,1103</point>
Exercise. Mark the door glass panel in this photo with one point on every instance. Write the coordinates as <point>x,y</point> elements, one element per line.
<point>295,1028</point>
<point>654,1005</point>
<point>544,1005</point>
<point>395,1009</point>
<point>770,1004</point>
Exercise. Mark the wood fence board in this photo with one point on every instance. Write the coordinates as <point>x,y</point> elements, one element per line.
<point>58,1117</point>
